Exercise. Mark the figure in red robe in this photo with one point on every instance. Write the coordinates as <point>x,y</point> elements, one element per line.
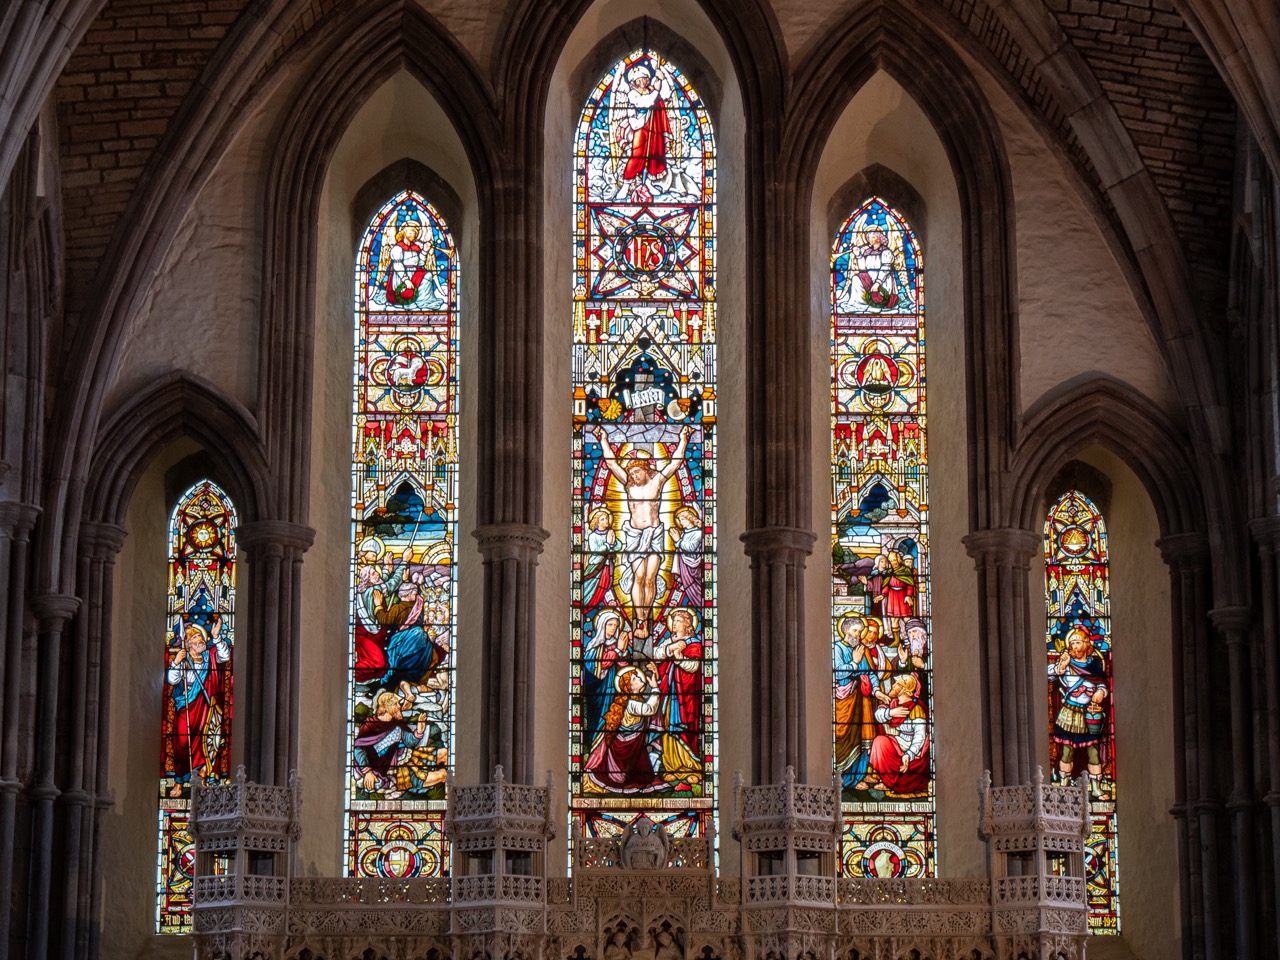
<point>900,755</point>
<point>620,760</point>
<point>194,679</point>
<point>642,130</point>
<point>680,678</point>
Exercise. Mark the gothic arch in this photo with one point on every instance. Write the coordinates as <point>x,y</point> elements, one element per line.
<point>1111,413</point>
<point>887,37</point>
<point>178,405</point>
<point>359,49</point>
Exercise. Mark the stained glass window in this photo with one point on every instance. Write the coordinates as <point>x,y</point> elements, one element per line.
<point>882,645</point>
<point>643,656</point>
<point>196,723</point>
<point>1077,595</point>
<point>404,520</point>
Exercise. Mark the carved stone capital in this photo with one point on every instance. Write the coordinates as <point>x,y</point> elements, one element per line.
<point>1184,551</point>
<point>273,537</point>
<point>74,798</point>
<point>43,791</point>
<point>1009,544</point>
<point>1266,531</point>
<point>781,543</point>
<point>1239,801</point>
<point>100,540</point>
<point>510,541</point>
<point>54,609</point>
<point>1205,807</point>
<point>17,519</point>
<point>10,785</point>
<point>1233,623</point>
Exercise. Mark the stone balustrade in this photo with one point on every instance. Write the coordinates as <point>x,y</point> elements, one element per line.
<point>643,895</point>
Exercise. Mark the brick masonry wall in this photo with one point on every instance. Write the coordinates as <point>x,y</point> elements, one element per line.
<point>116,97</point>
<point>1177,110</point>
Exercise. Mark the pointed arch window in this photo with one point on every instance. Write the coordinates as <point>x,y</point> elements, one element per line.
<point>404,496</point>
<point>1077,575</point>
<point>643,643</point>
<point>196,722</point>
<point>881,620</point>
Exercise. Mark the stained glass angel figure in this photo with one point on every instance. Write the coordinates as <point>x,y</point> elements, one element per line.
<point>407,273</point>
<point>646,146</point>
<point>876,273</point>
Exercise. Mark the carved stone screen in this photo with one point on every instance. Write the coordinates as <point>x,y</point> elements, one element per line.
<point>1077,596</point>
<point>404,502</point>
<point>196,722</point>
<point>882,643</point>
<point>643,644</point>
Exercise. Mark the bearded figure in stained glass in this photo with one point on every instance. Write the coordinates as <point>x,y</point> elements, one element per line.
<point>375,580</point>
<point>643,532</point>
<point>407,273</point>
<point>1078,697</point>
<point>900,753</point>
<point>195,682</point>
<point>395,754</point>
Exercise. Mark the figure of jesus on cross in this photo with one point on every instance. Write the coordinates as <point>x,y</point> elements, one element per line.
<point>642,531</point>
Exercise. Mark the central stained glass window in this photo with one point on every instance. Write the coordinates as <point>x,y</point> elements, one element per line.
<point>882,646</point>
<point>404,502</point>
<point>643,645</point>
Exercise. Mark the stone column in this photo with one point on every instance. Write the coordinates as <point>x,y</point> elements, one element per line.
<point>1235,623</point>
<point>778,685</point>
<point>1187,556</point>
<point>271,575</point>
<point>1002,557</point>
<point>1266,531</point>
<point>16,521</point>
<point>52,612</point>
<point>81,802</point>
<point>510,552</point>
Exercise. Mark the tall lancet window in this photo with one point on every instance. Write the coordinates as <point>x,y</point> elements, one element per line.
<point>643,643</point>
<point>404,503</point>
<point>880,614</point>
<point>1077,593</point>
<point>196,723</point>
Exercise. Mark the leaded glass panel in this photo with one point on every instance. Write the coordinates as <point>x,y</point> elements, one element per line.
<point>643,654</point>
<point>1077,578</point>
<point>881,625</point>
<point>196,722</point>
<point>404,530</point>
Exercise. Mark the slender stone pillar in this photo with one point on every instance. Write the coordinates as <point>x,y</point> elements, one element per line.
<point>778,556</point>
<point>1234,624</point>
<point>52,612</point>
<point>1187,556</point>
<point>16,521</point>
<point>510,552</point>
<point>1002,557</point>
<point>81,810</point>
<point>271,551</point>
<point>1266,531</point>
